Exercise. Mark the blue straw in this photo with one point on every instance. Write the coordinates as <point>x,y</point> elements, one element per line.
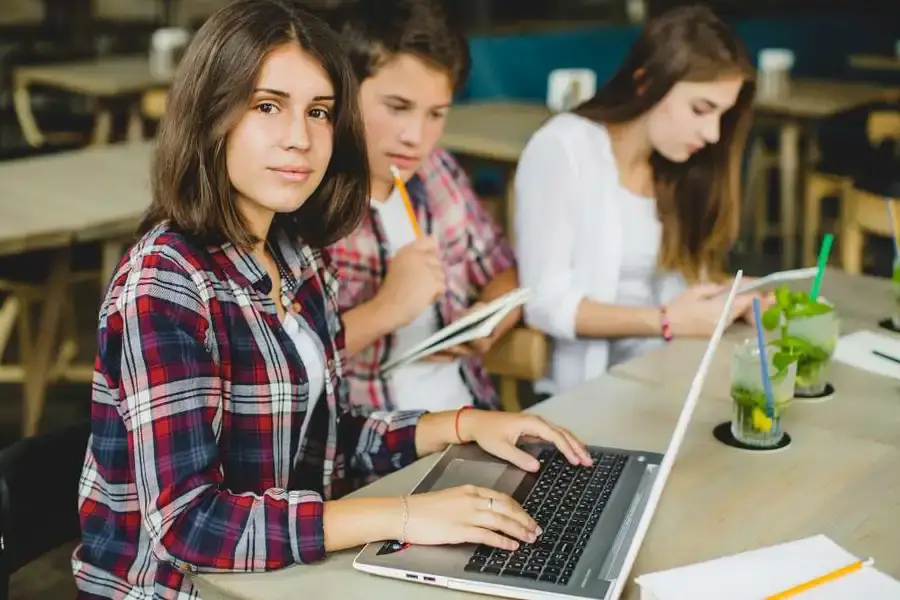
<point>763,360</point>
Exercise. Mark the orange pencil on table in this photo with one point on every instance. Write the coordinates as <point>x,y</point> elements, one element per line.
<point>401,187</point>
<point>828,577</point>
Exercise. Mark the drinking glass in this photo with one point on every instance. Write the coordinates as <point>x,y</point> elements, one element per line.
<point>751,423</point>
<point>820,334</point>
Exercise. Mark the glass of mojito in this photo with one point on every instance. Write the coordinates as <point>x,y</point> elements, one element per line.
<point>813,331</point>
<point>895,282</point>
<point>752,423</point>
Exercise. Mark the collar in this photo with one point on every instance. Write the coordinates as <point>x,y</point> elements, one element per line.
<point>244,268</point>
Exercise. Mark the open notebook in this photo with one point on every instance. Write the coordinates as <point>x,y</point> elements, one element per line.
<point>758,574</point>
<point>477,324</point>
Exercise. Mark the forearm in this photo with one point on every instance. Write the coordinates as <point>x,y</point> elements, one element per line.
<point>351,522</point>
<point>597,320</point>
<point>365,323</point>
<point>503,283</point>
<point>436,431</point>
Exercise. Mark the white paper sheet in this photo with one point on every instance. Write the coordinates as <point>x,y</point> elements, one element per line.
<point>758,574</point>
<point>857,350</point>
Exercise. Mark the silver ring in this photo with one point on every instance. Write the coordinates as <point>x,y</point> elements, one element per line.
<point>490,504</point>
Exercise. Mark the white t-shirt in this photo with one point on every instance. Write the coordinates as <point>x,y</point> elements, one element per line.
<point>313,360</point>
<point>422,385</point>
<point>638,279</point>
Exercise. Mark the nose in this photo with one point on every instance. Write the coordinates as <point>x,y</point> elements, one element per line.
<point>711,131</point>
<point>296,135</point>
<point>413,131</point>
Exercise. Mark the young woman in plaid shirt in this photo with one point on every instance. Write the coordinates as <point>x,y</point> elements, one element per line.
<point>396,288</point>
<point>221,440</point>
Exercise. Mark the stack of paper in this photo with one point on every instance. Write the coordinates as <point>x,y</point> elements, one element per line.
<point>869,351</point>
<point>758,574</point>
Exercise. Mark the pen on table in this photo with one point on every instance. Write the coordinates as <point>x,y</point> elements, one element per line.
<point>826,578</point>
<point>886,356</point>
<point>401,188</point>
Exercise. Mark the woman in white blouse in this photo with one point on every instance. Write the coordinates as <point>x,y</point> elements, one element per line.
<point>626,208</point>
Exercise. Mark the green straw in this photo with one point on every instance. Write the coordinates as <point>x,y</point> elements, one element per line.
<point>823,262</point>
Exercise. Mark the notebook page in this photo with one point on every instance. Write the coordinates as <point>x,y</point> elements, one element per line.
<point>856,349</point>
<point>759,573</point>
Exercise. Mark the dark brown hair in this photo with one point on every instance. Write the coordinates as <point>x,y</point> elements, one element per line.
<point>698,200</point>
<point>374,31</point>
<point>212,89</point>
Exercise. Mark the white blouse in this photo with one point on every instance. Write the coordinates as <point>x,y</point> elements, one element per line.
<point>573,230</point>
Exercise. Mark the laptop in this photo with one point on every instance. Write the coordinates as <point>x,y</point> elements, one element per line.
<point>594,519</point>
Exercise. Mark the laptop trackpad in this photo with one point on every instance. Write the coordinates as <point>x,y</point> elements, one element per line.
<point>474,472</point>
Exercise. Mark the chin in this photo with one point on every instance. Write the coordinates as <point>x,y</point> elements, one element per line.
<point>677,157</point>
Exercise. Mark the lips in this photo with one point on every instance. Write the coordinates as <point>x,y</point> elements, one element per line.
<point>292,173</point>
<point>403,161</point>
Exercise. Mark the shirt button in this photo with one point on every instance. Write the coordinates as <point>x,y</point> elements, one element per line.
<point>297,307</point>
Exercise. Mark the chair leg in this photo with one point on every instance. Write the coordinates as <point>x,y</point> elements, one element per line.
<point>812,217</point>
<point>851,237</point>
<point>509,394</point>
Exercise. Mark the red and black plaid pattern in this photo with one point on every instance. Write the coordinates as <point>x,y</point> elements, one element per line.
<point>195,462</point>
<point>474,252</point>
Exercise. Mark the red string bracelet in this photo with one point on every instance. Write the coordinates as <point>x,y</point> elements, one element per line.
<point>664,324</point>
<point>456,423</point>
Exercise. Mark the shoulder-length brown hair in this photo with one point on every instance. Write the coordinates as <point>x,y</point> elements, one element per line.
<point>212,89</point>
<point>698,200</point>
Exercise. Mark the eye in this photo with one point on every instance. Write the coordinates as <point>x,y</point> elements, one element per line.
<point>267,108</point>
<point>438,115</point>
<point>397,108</point>
<point>319,113</point>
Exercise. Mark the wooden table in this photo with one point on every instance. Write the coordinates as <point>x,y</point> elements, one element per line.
<point>838,477</point>
<point>107,80</point>
<point>52,202</point>
<point>875,62</point>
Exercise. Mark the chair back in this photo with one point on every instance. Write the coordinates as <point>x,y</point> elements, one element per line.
<point>39,478</point>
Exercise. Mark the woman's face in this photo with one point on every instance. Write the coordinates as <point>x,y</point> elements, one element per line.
<point>404,107</point>
<point>690,115</point>
<point>278,152</point>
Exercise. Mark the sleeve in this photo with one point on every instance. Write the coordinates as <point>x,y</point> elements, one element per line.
<point>340,258</point>
<point>381,442</point>
<point>545,201</point>
<point>171,403</point>
<point>489,252</point>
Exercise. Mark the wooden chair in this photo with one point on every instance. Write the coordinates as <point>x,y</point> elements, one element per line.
<point>836,180</point>
<point>865,207</point>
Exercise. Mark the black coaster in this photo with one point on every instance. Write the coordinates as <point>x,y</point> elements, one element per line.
<point>889,325</point>
<point>826,394</point>
<point>722,432</point>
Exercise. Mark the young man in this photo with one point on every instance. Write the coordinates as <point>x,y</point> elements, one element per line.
<point>398,287</point>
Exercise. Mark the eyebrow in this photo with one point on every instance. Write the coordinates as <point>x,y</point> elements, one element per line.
<point>408,101</point>
<point>285,95</point>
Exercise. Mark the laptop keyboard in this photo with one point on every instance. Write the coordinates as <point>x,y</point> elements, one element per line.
<point>567,502</point>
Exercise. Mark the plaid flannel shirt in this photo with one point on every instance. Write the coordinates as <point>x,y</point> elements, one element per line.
<point>474,252</point>
<point>195,462</point>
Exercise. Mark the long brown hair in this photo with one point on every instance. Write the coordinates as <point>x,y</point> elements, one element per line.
<point>212,88</point>
<point>698,200</point>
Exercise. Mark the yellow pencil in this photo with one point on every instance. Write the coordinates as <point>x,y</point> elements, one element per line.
<point>836,574</point>
<point>401,187</point>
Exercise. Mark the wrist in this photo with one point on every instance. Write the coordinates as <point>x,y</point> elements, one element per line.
<point>386,311</point>
<point>435,432</point>
<point>665,323</point>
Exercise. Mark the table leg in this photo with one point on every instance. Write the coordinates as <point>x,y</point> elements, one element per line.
<point>38,361</point>
<point>789,160</point>
<point>22,106</point>
<point>102,127</point>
